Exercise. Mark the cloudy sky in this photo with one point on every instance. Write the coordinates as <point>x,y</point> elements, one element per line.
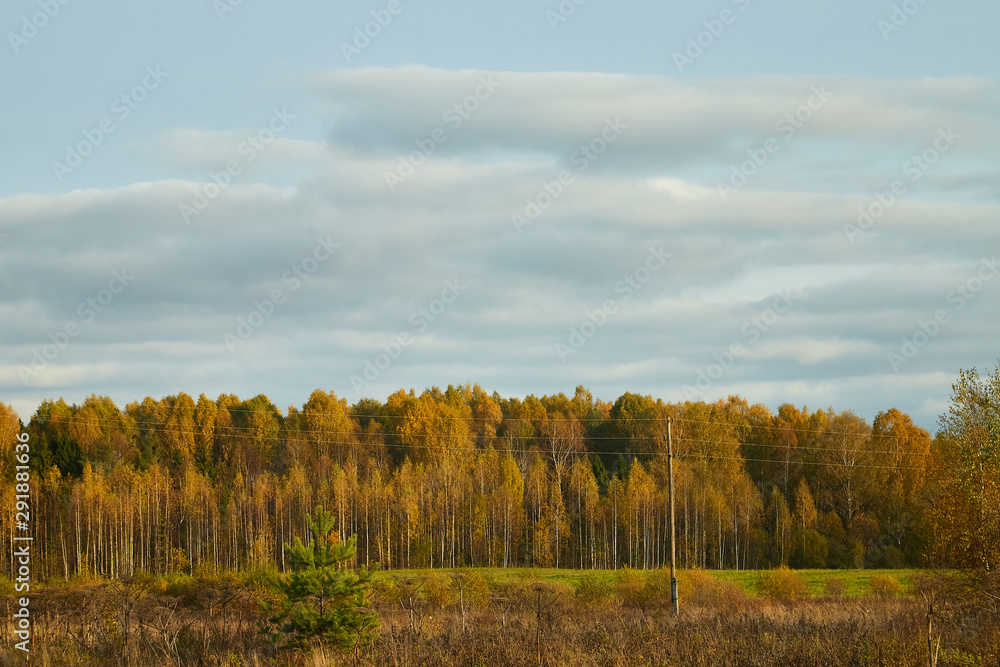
<point>792,201</point>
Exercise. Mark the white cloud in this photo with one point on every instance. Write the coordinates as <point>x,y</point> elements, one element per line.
<point>452,219</point>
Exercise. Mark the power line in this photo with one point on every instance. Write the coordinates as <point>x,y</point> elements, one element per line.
<point>695,456</point>
<point>230,429</point>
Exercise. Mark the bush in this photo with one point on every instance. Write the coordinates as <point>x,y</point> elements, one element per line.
<point>628,586</point>
<point>179,584</point>
<point>782,584</point>
<point>730,597</point>
<point>593,590</point>
<point>885,586</point>
<point>650,590</point>
<point>835,587</point>
<point>700,589</point>
<point>961,659</point>
<point>470,588</point>
<point>437,590</point>
<point>179,561</point>
<point>655,592</point>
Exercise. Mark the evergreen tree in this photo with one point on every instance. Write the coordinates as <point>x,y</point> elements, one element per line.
<point>601,475</point>
<point>322,600</point>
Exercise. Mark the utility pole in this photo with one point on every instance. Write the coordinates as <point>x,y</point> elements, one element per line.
<point>673,531</point>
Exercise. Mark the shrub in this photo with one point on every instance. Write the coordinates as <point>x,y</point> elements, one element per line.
<point>470,591</point>
<point>437,590</point>
<point>700,589</point>
<point>179,584</point>
<point>885,586</point>
<point>593,590</point>
<point>628,586</point>
<point>835,587</point>
<point>655,593</point>
<point>730,597</point>
<point>782,584</point>
<point>470,588</point>
<point>179,561</point>
<point>961,659</point>
<point>696,587</point>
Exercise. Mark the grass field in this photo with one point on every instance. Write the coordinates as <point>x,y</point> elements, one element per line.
<point>518,616</point>
<point>855,582</point>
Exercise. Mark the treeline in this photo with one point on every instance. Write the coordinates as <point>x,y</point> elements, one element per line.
<point>463,478</point>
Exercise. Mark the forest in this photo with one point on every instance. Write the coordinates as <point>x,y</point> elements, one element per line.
<point>460,477</point>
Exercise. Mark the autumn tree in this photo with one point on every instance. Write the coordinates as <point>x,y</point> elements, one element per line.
<point>478,479</point>
<point>633,417</point>
<point>485,413</point>
<point>562,440</point>
<point>425,426</point>
<point>179,429</point>
<point>780,525</point>
<point>10,426</point>
<point>848,463</point>
<point>329,429</point>
<point>205,414</point>
<point>584,496</point>
<point>968,517</point>
<point>809,548</point>
<point>510,506</point>
<point>257,423</point>
<point>903,451</point>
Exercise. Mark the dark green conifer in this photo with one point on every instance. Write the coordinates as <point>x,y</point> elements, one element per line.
<point>322,600</point>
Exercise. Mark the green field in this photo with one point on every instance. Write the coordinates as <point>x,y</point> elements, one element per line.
<point>856,582</point>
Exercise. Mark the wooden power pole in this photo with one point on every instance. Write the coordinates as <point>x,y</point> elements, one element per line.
<point>673,531</point>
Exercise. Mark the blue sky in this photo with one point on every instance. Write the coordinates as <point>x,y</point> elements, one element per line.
<point>347,227</point>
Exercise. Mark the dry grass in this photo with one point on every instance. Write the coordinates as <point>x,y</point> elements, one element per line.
<point>468,618</point>
<point>763,632</point>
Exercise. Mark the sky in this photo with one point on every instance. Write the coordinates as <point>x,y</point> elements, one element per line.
<point>795,202</point>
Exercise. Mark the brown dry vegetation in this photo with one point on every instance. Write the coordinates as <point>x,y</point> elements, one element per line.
<point>467,618</point>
